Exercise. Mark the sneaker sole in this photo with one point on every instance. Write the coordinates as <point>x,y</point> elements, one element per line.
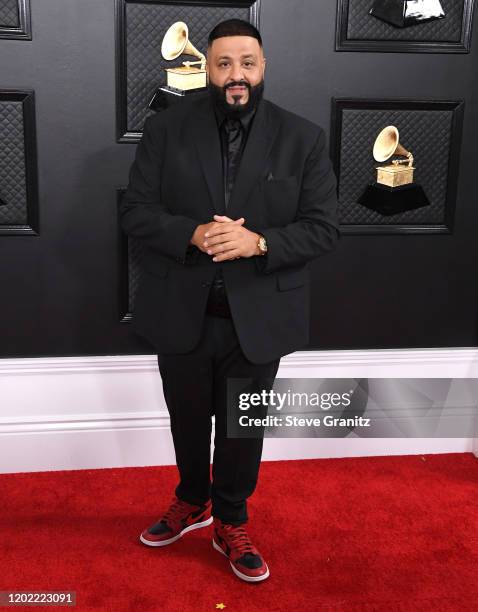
<point>237,572</point>
<point>179,535</point>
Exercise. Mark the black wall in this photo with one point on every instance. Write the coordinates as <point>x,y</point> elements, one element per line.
<point>60,292</point>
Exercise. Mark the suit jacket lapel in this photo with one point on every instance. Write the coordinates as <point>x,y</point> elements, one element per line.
<point>254,158</point>
<point>206,136</point>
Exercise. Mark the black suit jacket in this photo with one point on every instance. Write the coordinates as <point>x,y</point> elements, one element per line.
<point>285,188</point>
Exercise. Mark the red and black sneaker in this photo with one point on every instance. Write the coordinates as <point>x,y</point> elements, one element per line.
<point>233,542</point>
<point>180,518</point>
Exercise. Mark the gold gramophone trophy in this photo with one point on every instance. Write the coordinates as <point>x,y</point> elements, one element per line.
<point>181,80</point>
<point>394,192</point>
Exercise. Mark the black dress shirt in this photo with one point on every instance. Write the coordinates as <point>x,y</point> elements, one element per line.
<point>233,135</point>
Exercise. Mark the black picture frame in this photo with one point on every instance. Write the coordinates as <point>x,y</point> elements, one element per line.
<point>23,31</point>
<point>455,107</point>
<point>345,43</point>
<point>124,132</point>
<point>31,225</point>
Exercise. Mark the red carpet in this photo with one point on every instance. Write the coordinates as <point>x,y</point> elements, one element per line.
<point>368,534</point>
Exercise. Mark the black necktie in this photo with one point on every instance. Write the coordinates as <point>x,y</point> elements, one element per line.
<point>233,129</point>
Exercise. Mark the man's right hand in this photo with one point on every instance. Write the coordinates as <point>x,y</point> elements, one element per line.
<point>198,237</point>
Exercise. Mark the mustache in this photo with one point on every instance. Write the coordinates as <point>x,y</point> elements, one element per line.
<point>237,84</point>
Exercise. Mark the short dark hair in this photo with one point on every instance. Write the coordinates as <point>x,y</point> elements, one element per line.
<point>234,27</point>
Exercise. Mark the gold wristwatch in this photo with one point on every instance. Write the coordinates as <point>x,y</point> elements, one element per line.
<point>262,244</point>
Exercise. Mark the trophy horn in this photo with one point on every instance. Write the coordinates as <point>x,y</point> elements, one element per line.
<point>387,144</point>
<point>176,41</point>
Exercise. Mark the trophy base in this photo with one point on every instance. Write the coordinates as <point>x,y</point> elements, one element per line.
<point>394,176</point>
<point>392,200</point>
<point>167,96</point>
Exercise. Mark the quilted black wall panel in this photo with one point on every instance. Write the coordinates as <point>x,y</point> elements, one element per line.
<point>129,273</point>
<point>141,26</point>
<point>18,163</point>
<point>358,30</point>
<point>431,131</point>
<point>9,14</point>
<point>135,253</point>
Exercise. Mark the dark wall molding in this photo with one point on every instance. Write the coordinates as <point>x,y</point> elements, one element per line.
<point>20,26</point>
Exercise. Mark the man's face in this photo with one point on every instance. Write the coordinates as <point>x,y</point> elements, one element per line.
<point>235,63</point>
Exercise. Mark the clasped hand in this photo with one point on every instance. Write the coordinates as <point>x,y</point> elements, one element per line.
<point>225,239</point>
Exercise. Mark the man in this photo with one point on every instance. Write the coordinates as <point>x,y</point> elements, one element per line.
<point>231,196</point>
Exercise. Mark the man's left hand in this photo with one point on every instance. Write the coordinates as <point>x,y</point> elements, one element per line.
<point>226,240</point>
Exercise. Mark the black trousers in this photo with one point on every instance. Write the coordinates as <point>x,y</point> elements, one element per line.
<point>194,386</point>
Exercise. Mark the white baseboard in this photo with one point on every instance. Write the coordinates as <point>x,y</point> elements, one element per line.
<point>95,412</point>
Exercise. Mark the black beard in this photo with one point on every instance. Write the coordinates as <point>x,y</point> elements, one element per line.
<point>235,111</point>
